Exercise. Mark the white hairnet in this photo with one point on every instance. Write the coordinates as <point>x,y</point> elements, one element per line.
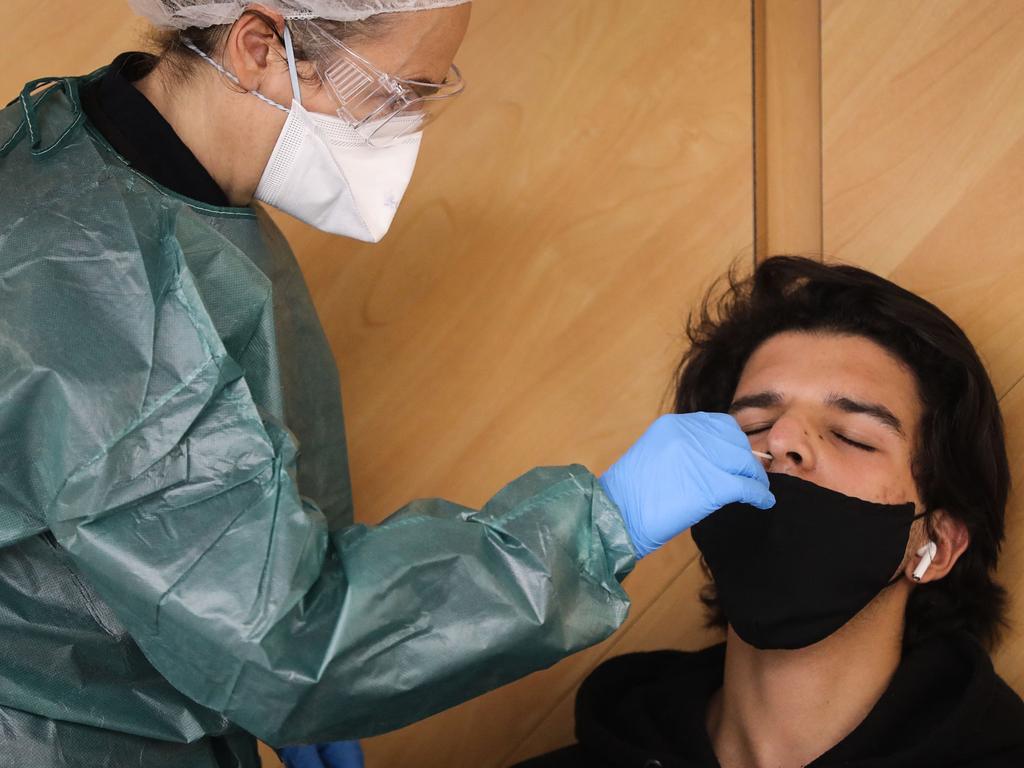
<point>181,14</point>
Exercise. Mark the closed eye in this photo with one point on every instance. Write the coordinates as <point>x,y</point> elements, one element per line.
<point>854,443</point>
<point>861,446</point>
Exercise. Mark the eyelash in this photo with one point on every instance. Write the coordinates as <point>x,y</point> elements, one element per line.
<point>848,441</point>
<point>854,443</point>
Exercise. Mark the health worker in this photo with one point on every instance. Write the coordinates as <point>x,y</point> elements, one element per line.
<point>179,568</point>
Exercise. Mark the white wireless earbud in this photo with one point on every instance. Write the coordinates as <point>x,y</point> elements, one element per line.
<point>927,554</point>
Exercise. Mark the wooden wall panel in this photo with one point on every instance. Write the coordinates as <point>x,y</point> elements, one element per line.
<point>923,163</point>
<point>1009,658</point>
<point>62,37</point>
<point>528,306</point>
<point>787,128</point>
<point>924,157</point>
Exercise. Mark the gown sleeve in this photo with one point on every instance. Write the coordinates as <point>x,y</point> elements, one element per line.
<point>185,515</point>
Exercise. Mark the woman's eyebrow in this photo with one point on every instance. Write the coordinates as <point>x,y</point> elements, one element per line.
<point>876,411</point>
<point>423,79</point>
<point>765,399</point>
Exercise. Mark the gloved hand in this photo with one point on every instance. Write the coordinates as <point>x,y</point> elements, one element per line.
<point>682,469</point>
<point>337,754</point>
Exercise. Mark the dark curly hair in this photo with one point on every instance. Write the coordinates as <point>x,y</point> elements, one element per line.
<point>960,463</point>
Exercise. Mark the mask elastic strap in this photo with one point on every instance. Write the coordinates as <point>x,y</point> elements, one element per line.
<point>216,65</point>
<point>293,70</point>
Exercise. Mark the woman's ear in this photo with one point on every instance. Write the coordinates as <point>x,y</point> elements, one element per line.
<point>951,541</point>
<point>249,43</point>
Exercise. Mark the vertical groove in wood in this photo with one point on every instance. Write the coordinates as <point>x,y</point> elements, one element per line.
<point>787,127</point>
<point>821,135</point>
<point>757,89</point>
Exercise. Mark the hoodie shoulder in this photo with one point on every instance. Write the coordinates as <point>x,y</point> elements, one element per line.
<point>568,757</point>
<point>637,669</point>
<point>1001,734</point>
<point>998,726</point>
<point>630,710</point>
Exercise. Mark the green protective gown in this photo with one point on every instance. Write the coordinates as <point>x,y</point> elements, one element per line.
<point>174,574</point>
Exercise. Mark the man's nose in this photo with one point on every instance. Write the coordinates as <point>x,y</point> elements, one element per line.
<point>791,442</point>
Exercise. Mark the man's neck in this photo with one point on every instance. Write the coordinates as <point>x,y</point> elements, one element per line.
<point>782,709</point>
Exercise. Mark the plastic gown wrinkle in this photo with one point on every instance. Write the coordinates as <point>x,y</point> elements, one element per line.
<point>208,576</point>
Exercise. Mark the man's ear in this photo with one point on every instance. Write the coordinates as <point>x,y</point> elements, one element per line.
<point>951,541</point>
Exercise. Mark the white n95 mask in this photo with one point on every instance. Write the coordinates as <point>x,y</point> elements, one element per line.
<point>324,173</point>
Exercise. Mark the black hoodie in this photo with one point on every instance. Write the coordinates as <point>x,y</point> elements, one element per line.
<point>945,707</point>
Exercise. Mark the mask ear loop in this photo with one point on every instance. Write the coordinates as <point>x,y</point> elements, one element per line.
<point>293,71</point>
<point>230,76</point>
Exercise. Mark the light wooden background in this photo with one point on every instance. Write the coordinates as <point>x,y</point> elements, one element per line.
<point>574,204</point>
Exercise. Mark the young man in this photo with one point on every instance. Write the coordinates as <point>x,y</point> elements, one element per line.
<point>859,610</point>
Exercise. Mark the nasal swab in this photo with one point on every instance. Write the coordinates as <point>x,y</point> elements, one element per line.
<point>763,455</point>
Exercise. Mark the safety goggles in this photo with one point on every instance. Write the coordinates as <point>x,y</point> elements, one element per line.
<point>381,107</point>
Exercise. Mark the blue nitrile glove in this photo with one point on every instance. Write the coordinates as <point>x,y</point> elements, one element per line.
<point>684,468</point>
<point>337,754</point>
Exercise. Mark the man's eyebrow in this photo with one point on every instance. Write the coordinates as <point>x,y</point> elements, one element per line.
<point>765,399</point>
<point>876,411</point>
<point>769,399</point>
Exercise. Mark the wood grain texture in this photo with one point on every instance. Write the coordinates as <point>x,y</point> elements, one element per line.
<point>62,37</point>
<point>924,157</point>
<point>1009,658</point>
<point>787,127</point>
<point>924,182</point>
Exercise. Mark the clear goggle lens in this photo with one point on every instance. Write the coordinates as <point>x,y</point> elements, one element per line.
<point>382,108</point>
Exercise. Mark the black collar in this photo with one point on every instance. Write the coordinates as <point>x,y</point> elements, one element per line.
<point>140,134</point>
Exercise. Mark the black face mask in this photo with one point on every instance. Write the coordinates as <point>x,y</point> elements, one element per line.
<point>792,575</point>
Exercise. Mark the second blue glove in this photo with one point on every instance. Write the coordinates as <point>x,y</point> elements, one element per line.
<point>337,754</point>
